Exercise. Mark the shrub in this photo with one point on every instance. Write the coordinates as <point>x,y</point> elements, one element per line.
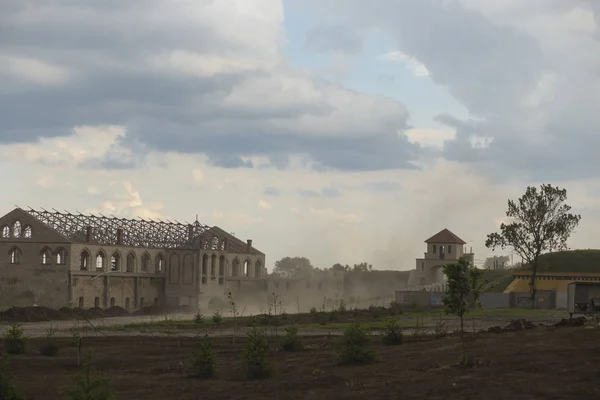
<point>353,348</point>
<point>49,348</point>
<point>332,316</point>
<point>255,358</point>
<point>198,318</point>
<point>7,387</point>
<point>217,317</point>
<point>291,341</point>
<point>313,311</point>
<point>391,334</point>
<point>440,330</point>
<point>15,341</point>
<point>204,361</point>
<point>86,386</point>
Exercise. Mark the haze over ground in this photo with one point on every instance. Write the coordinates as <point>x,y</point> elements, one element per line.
<point>343,131</point>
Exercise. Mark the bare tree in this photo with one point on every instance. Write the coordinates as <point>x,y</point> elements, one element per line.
<point>538,222</point>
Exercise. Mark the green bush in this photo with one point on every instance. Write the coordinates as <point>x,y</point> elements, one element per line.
<point>391,334</point>
<point>15,341</point>
<point>291,341</point>
<point>353,348</point>
<point>86,386</point>
<point>256,360</point>
<point>7,387</point>
<point>204,361</point>
<point>198,318</point>
<point>217,318</point>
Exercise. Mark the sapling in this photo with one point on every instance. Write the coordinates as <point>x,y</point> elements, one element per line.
<point>464,285</point>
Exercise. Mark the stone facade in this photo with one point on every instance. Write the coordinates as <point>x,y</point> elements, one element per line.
<point>58,264</point>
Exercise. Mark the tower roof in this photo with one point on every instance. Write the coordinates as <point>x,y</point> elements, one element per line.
<point>445,236</point>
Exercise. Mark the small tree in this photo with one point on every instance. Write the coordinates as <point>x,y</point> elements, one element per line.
<point>540,221</point>
<point>204,362</point>
<point>7,387</point>
<point>86,386</point>
<point>464,287</point>
<point>256,355</point>
<point>291,341</point>
<point>15,341</point>
<point>354,346</point>
<point>391,334</point>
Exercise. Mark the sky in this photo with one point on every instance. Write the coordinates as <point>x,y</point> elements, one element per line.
<point>339,130</point>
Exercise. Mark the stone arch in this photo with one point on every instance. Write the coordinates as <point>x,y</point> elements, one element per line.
<point>247,265</point>
<point>159,264</point>
<point>14,255</point>
<point>213,266</point>
<point>46,256</point>
<point>204,268</point>
<point>145,267</point>
<point>188,269</point>
<point>60,256</point>
<point>235,267</point>
<point>17,229</point>
<point>174,268</point>
<point>100,261</point>
<point>216,303</point>
<point>131,261</point>
<point>258,268</point>
<point>84,260</point>
<point>221,270</point>
<point>115,261</point>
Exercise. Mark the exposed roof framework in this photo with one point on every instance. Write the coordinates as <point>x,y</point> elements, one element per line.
<point>135,232</point>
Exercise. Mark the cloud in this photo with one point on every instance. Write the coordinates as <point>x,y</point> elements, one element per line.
<point>527,72</point>
<point>271,191</point>
<point>417,68</point>
<point>189,77</point>
<point>325,192</point>
<point>264,205</point>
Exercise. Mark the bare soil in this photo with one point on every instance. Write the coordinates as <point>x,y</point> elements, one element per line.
<point>539,363</point>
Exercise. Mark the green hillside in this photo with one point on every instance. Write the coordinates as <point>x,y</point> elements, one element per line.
<point>561,261</point>
<point>568,261</point>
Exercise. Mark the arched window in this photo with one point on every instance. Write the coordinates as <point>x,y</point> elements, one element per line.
<point>84,261</point>
<point>17,229</point>
<point>112,301</point>
<point>5,232</point>
<point>222,270</point>
<point>127,303</point>
<point>97,302</point>
<point>15,255</point>
<point>130,262</point>
<point>115,262</point>
<point>142,302</point>
<point>27,232</point>
<point>235,267</point>
<point>213,266</point>
<point>80,302</point>
<point>145,262</point>
<point>160,264</point>
<point>46,256</point>
<point>61,256</point>
<point>257,268</point>
<point>204,267</point>
<point>100,261</point>
<point>247,268</point>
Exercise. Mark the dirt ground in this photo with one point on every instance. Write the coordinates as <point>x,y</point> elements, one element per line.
<point>540,363</point>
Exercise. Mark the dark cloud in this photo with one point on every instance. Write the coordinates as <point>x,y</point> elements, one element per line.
<point>157,68</point>
<point>330,192</point>
<point>335,38</point>
<point>271,191</point>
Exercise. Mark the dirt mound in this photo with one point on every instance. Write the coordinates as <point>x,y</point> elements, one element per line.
<point>513,326</point>
<point>30,314</point>
<point>116,311</point>
<point>579,321</point>
<point>151,310</point>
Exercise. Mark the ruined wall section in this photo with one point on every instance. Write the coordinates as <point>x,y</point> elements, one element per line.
<point>127,277</point>
<point>29,270</point>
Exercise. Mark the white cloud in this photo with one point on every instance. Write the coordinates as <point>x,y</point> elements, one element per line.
<point>264,205</point>
<point>33,71</point>
<point>417,68</point>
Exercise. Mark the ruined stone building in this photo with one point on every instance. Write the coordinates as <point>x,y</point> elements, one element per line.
<point>72,260</point>
<point>442,248</point>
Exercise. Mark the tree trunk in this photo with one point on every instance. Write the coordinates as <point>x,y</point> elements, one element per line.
<point>462,338</point>
<point>532,290</point>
